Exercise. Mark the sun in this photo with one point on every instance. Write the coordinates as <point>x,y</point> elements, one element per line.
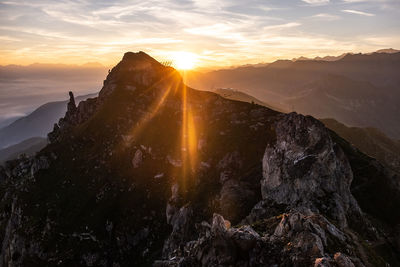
<point>184,60</point>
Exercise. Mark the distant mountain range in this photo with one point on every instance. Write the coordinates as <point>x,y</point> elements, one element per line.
<point>359,89</point>
<point>334,58</point>
<point>36,124</point>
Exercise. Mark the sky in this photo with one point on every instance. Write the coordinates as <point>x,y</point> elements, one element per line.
<point>216,33</point>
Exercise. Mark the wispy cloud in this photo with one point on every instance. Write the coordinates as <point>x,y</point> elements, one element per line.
<point>325,16</point>
<point>360,1</point>
<point>357,12</point>
<point>316,2</point>
<point>282,26</point>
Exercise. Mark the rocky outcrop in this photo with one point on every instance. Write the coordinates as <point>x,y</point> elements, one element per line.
<point>293,239</point>
<point>305,168</point>
<point>74,116</point>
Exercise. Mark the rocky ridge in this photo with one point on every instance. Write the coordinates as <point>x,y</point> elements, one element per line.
<point>154,173</point>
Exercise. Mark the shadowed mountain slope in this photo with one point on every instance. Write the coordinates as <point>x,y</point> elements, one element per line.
<point>370,141</point>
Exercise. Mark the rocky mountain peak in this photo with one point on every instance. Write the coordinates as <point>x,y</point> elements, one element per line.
<point>138,58</point>
<point>137,71</point>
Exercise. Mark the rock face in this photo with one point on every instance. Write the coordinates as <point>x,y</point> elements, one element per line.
<point>154,173</point>
<point>306,168</point>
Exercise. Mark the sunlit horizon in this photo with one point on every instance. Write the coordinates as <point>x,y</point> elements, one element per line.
<point>219,33</point>
<point>181,64</point>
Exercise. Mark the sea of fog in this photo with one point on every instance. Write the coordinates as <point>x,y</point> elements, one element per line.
<point>19,97</point>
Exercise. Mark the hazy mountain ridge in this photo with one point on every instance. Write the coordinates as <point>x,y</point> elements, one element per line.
<point>334,58</point>
<point>283,84</point>
<point>153,172</point>
<point>36,124</point>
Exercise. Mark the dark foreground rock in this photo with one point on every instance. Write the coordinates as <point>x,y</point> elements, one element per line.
<point>154,173</point>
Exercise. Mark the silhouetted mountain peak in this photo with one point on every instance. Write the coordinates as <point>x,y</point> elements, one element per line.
<point>137,71</point>
<point>138,60</point>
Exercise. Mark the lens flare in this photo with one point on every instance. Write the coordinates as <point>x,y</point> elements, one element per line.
<point>184,60</point>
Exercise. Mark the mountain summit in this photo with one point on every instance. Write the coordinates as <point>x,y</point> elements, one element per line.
<point>153,172</point>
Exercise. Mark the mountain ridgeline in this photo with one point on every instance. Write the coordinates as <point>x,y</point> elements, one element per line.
<point>358,89</point>
<point>154,173</point>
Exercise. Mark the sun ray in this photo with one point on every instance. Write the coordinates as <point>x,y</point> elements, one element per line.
<point>171,82</point>
<point>189,138</point>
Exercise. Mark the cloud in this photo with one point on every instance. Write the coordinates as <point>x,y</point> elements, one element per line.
<point>358,12</point>
<point>360,1</point>
<point>325,17</point>
<point>282,26</point>
<point>235,31</point>
<point>316,2</point>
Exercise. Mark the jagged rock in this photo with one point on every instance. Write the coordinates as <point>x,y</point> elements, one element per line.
<point>309,234</point>
<point>301,239</point>
<point>71,106</point>
<point>182,222</point>
<point>305,168</point>
<point>245,238</point>
<point>74,116</point>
